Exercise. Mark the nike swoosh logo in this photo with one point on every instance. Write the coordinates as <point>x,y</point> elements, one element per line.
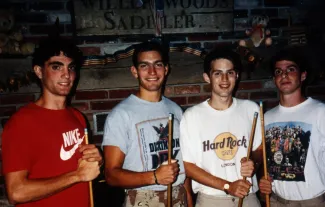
<point>65,155</point>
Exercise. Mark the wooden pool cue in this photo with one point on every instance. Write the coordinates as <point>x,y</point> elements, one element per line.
<point>90,183</point>
<point>240,202</point>
<point>267,198</point>
<point>170,149</point>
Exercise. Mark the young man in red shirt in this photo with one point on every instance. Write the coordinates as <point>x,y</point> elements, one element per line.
<point>45,160</point>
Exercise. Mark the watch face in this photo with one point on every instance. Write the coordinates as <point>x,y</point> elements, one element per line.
<point>226,186</point>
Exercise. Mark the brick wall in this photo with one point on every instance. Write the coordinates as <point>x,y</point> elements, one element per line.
<point>94,101</point>
<point>37,17</point>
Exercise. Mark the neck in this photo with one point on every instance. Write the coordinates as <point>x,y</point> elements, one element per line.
<point>220,103</point>
<point>293,99</point>
<point>151,96</point>
<point>54,103</point>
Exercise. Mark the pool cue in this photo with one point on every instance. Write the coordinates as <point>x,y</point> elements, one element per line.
<point>267,199</point>
<point>170,149</point>
<point>240,202</point>
<point>90,183</point>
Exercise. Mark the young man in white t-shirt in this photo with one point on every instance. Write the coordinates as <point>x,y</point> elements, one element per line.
<point>296,167</point>
<point>215,137</point>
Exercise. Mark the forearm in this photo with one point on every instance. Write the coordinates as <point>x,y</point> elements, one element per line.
<point>128,179</point>
<point>188,188</point>
<point>35,189</point>
<point>203,177</point>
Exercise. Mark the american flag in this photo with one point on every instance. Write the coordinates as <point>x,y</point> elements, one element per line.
<point>157,9</point>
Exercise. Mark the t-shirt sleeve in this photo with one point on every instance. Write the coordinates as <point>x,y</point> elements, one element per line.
<point>321,129</point>
<point>116,131</point>
<point>321,122</point>
<point>186,141</point>
<point>16,148</point>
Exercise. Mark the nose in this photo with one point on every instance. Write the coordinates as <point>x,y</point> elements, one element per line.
<point>152,70</point>
<point>284,74</point>
<point>224,77</point>
<point>66,73</point>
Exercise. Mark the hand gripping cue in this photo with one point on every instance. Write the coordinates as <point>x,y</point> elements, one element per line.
<point>267,199</point>
<point>240,202</point>
<point>90,183</point>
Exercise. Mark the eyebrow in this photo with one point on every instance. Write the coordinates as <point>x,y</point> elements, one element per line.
<point>292,65</point>
<point>218,70</point>
<point>55,63</point>
<point>60,63</point>
<point>157,61</point>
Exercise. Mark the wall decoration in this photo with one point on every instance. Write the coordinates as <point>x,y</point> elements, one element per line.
<point>17,80</point>
<point>254,49</point>
<point>11,38</point>
<point>120,17</point>
<point>259,34</point>
<point>128,52</point>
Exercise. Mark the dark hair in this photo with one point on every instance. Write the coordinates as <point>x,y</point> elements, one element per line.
<point>293,54</point>
<point>53,47</point>
<point>149,46</point>
<point>223,53</point>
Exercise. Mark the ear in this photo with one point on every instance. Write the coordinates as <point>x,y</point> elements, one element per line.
<point>303,76</point>
<point>38,71</point>
<point>166,69</point>
<point>206,78</point>
<point>134,72</point>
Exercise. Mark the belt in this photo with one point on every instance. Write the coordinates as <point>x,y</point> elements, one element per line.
<point>162,195</point>
<point>317,199</point>
<point>155,192</point>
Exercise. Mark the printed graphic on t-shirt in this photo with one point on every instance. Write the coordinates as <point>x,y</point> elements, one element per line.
<point>287,147</point>
<point>153,142</point>
<point>225,145</point>
<point>71,141</point>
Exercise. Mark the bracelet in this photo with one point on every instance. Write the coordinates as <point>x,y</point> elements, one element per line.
<point>156,180</point>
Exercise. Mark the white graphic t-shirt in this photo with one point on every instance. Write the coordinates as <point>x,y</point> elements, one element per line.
<point>295,143</point>
<point>140,129</point>
<point>216,141</point>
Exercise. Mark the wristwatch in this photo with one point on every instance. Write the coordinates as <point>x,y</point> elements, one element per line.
<point>226,188</point>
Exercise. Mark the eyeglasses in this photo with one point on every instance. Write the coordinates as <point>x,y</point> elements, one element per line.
<point>290,70</point>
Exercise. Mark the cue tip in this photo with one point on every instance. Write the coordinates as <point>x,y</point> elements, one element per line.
<point>261,103</point>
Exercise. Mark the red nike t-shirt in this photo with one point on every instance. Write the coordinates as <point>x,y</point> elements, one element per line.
<point>45,143</point>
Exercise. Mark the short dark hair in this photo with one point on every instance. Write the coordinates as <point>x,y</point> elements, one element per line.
<point>150,46</point>
<point>53,47</point>
<point>222,53</point>
<point>293,54</point>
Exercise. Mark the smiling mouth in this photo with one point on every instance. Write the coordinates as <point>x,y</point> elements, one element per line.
<point>64,84</point>
<point>225,86</point>
<point>152,79</point>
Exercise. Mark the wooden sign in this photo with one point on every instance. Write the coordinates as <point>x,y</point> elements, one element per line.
<point>122,17</point>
